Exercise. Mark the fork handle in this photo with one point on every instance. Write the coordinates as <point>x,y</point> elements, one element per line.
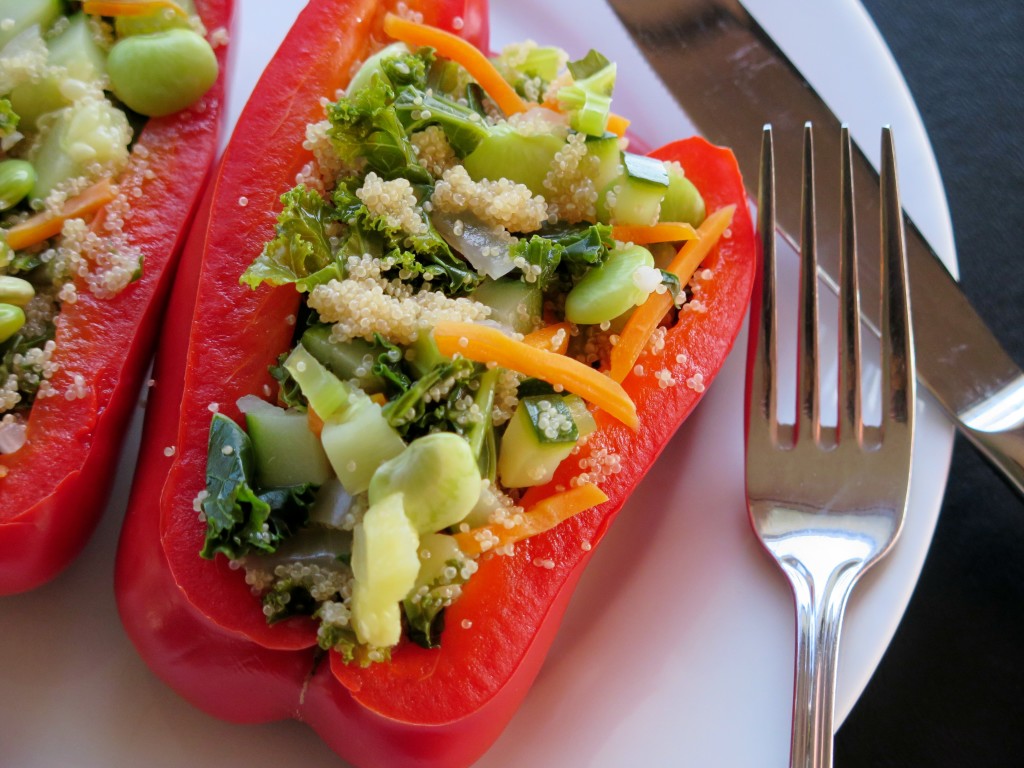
<point>820,603</point>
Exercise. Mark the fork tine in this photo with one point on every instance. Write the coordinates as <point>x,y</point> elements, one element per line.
<point>897,334</point>
<point>808,413</point>
<point>762,426</point>
<point>851,422</point>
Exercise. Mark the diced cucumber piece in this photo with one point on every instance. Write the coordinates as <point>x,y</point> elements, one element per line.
<point>325,392</point>
<point>581,415</point>
<point>514,303</point>
<point>532,449</point>
<point>609,289</point>
<point>385,564</point>
<point>436,552</point>
<point>357,441</point>
<point>287,453</point>
<point>425,354</point>
<point>25,13</point>
<point>634,197</point>
<point>682,200</point>
<point>90,132</point>
<point>158,21</point>
<point>505,154</point>
<point>609,158</point>
<point>439,476</point>
<point>83,61</point>
<point>347,361</point>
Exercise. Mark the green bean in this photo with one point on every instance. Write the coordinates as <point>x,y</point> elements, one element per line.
<point>161,73</point>
<point>12,320</point>
<point>17,177</point>
<point>608,290</point>
<point>14,290</point>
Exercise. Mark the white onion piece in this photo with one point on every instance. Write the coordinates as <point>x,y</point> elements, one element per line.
<point>252,404</point>
<point>484,246</point>
<point>310,546</point>
<point>12,436</point>
<point>332,504</point>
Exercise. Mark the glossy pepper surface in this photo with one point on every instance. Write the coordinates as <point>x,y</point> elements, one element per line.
<point>53,490</point>
<point>196,622</point>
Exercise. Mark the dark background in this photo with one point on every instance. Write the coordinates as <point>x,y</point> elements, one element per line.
<point>950,689</point>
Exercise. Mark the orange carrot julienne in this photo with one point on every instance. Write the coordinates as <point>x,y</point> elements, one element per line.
<point>542,516</point>
<point>130,7</point>
<point>662,232</point>
<point>553,338</point>
<point>316,424</point>
<point>645,318</point>
<point>45,224</point>
<point>617,124</point>
<point>485,344</point>
<point>455,48</point>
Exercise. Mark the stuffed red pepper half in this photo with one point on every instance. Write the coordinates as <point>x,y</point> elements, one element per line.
<point>438,324</point>
<point>109,115</point>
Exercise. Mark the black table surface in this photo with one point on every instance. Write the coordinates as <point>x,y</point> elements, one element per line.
<point>950,688</point>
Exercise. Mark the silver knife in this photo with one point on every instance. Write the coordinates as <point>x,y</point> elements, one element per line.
<point>730,78</point>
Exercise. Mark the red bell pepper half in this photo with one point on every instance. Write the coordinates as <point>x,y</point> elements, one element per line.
<point>196,622</point>
<point>55,487</point>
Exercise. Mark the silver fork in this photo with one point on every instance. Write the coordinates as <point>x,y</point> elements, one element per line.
<point>828,502</point>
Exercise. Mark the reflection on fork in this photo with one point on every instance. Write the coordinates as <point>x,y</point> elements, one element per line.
<point>828,502</point>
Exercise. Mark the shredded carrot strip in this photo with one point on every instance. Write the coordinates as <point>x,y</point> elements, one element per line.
<point>379,398</point>
<point>45,225</point>
<point>455,48</point>
<point>489,345</point>
<point>542,516</point>
<point>617,124</point>
<point>129,7</point>
<point>553,338</point>
<point>316,424</point>
<point>662,232</point>
<point>645,318</point>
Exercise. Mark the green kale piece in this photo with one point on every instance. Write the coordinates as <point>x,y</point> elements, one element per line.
<point>412,415</point>
<point>365,127</point>
<point>462,125</point>
<point>671,282</point>
<point>565,252</point>
<point>419,254</point>
<point>409,68</point>
<point>9,119</point>
<point>588,99</point>
<point>388,366</point>
<point>301,252</point>
<point>240,519</point>
<point>588,66</point>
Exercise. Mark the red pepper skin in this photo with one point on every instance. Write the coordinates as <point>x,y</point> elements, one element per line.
<point>57,485</point>
<point>196,623</point>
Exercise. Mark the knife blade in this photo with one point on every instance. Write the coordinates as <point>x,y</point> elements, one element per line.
<point>730,78</point>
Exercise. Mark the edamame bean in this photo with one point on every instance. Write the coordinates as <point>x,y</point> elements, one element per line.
<point>610,289</point>
<point>17,177</point>
<point>161,73</point>
<point>438,476</point>
<point>14,290</point>
<point>682,201</point>
<point>12,320</point>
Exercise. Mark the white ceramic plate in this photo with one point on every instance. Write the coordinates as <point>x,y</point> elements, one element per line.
<point>677,647</point>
